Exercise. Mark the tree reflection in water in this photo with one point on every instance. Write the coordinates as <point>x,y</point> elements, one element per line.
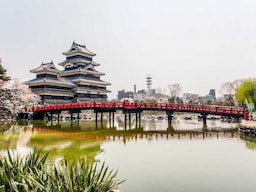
<point>83,140</point>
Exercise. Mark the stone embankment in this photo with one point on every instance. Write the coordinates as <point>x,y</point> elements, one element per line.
<point>248,128</point>
<point>10,104</point>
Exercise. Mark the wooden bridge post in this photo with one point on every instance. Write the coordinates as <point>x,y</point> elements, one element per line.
<point>139,119</point>
<point>113,119</point>
<point>58,117</point>
<point>101,119</point>
<point>129,119</point>
<point>96,117</point>
<point>78,117</point>
<point>109,119</point>
<point>204,115</point>
<point>71,116</point>
<point>136,117</point>
<point>169,115</point>
<point>125,120</point>
<point>236,119</point>
<point>45,116</point>
<point>51,117</point>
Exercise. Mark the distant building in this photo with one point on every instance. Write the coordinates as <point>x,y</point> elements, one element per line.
<point>149,82</point>
<point>208,98</point>
<point>151,92</point>
<point>212,93</point>
<point>190,98</point>
<point>78,82</point>
<point>140,96</point>
<point>123,94</point>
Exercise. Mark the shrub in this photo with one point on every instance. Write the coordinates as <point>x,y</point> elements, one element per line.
<point>34,173</point>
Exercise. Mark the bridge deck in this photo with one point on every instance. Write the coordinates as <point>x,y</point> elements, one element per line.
<point>209,109</point>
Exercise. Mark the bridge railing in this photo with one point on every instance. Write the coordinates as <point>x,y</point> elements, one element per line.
<point>140,105</point>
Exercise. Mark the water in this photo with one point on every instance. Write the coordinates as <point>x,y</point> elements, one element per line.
<point>181,158</point>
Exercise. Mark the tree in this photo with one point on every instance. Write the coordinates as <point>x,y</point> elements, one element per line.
<point>172,100</point>
<point>228,90</point>
<point>151,100</point>
<point>174,90</point>
<point>3,76</point>
<point>25,94</point>
<point>162,100</point>
<point>160,91</point>
<point>247,90</point>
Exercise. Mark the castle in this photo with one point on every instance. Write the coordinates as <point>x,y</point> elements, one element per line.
<point>78,82</point>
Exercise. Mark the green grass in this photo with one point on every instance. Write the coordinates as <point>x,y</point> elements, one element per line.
<point>35,173</point>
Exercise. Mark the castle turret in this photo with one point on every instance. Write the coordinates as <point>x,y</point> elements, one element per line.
<point>50,87</point>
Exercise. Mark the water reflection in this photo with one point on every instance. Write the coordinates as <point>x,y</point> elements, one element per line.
<point>83,139</point>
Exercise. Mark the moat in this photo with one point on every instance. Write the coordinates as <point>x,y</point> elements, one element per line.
<point>150,158</point>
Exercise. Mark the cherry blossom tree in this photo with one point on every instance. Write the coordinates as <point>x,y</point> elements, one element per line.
<point>25,94</point>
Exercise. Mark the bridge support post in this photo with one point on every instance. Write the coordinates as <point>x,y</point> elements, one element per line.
<point>125,120</point>
<point>204,115</point>
<point>45,116</point>
<point>78,117</point>
<point>136,119</point>
<point>96,119</point>
<point>51,117</point>
<point>101,119</point>
<point>58,117</point>
<point>71,116</point>
<point>109,119</point>
<point>113,119</point>
<point>169,115</point>
<point>129,119</point>
<point>236,119</point>
<point>140,119</point>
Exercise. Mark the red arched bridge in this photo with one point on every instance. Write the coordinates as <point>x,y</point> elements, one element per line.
<point>137,108</point>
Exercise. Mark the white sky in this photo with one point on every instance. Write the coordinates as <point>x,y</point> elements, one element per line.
<point>200,44</point>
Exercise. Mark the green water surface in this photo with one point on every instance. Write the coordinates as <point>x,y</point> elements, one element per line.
<point>152,157</point>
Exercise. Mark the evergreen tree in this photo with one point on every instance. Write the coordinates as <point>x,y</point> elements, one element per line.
<point>3,76</point>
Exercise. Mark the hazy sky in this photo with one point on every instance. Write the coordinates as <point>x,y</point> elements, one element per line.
<point>200,44</point>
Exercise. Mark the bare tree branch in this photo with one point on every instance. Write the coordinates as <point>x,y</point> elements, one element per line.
<point>174,90</point>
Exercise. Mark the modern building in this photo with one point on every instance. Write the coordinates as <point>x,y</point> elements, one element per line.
<point>123,94</point>
<point>212,93</point>
<point>141,95</point>
<point>205,99</point>
<point>78,82</point>
<point>208,98</point>
<point>149,82</point>
<point>190,98</point>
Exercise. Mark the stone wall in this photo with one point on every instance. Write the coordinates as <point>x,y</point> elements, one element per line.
<point>10,104</point>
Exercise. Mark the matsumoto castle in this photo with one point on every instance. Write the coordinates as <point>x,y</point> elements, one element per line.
<point>78,82</point>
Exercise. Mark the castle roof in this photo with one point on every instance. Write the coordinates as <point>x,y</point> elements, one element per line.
<point>44,81</point>
<point>78,61</point>
<point>82,71</point>
<point>46,67</point>
<point>77,48</point>
<point>90,81</point>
